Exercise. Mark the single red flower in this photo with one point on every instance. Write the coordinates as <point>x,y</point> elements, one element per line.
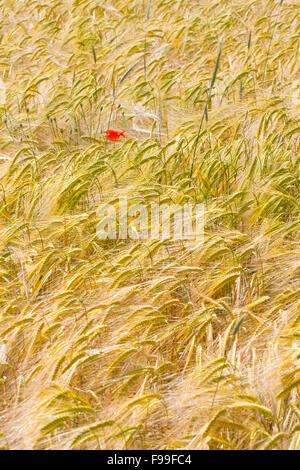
<point>114,135</point>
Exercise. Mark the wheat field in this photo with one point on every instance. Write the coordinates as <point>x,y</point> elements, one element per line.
<point>150,344</point>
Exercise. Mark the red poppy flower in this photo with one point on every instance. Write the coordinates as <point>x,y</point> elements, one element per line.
<point>114,135</point>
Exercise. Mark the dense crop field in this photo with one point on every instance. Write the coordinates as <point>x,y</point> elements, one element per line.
<point>149,344</point>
